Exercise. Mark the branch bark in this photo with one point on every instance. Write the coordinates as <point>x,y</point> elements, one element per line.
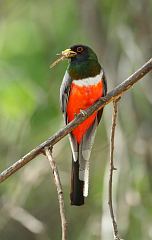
<point>112,168</point>
<point>111,96</point>
<point>48,153</point>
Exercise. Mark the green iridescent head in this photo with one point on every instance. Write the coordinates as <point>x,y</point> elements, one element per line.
<point>84,63</point>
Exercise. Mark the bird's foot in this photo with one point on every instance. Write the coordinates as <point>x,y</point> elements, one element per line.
<point>83,112</point>
<point>75,115</point>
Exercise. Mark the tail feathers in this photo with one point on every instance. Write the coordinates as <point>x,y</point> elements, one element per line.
<point>84,174</point>
<point>77,186</point>
<point>86,179</point>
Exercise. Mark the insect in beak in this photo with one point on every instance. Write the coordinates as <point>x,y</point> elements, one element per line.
<point>66,54</point>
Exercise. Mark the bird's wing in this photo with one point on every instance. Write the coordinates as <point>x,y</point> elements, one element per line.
<point>64,95</point>
<point>86,146</point>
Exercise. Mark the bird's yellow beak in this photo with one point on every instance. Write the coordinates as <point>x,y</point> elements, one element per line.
<point>68,53</point>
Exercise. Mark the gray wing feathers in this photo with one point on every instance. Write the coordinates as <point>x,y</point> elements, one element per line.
<point>64,95</point>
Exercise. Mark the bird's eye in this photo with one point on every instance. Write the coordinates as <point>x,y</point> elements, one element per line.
<point>79,49</point>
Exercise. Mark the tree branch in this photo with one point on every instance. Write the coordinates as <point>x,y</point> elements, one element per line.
<point>57,181</point>
<point>111,96</point>
<point>112,168</point>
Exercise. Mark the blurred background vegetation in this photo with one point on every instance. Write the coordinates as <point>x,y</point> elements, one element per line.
<point>31,33</point>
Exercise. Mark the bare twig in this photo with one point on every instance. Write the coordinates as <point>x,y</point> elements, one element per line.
<point>111,96</point>
<point>57,181</point>
<point>112,168</point>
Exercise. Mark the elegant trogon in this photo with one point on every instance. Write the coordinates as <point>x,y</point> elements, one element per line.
<point>83,84</point>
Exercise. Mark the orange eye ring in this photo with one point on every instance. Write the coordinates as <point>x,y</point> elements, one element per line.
<point>79,49</point>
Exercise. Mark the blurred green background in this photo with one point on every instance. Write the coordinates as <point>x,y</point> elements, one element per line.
<point>31,33</point>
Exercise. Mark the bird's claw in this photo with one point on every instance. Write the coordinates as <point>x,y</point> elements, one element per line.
<point>83,112</point>
<point>75,115</point>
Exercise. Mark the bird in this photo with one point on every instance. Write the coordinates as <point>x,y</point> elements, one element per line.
<point>83,84</point>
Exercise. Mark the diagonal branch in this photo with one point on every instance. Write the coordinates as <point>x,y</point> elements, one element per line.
<point>111,96</point>
<point>57,181</point>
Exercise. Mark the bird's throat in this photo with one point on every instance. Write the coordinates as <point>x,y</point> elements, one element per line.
<point>80,70</point>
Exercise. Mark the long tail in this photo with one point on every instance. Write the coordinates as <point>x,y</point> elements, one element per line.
<point>77,186</point>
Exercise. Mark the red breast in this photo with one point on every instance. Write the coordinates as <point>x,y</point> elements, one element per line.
<point>81,97</point>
